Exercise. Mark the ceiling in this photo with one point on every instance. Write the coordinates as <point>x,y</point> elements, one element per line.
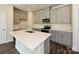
<point>33,7</point>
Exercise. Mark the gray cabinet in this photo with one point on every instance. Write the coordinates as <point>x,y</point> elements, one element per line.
<point>56,36</point>
<point>47,46</point>
<point>62,37</point>
<point>59,37</point>
<point>53,35</point>
<point>67,38</point>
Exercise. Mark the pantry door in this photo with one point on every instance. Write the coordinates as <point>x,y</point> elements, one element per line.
<point>2,27</point>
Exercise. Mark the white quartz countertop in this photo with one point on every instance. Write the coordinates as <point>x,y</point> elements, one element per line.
<point>31,40</point>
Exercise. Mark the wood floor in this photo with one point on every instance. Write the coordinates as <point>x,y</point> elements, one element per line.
<point>56,48</point>
<point>9,48</point>
<point>11,51</point>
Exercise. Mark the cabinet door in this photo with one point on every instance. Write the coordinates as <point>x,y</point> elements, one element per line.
<point>59,15</point>
<point>2,27</point>
<point>66,14</point>
<point>58,37</point>
<point>63,15</point>
<point>67,38</point>
<point>40,15</point>
<point>53,16</point>
<point>47,46</point>
<point>35,18</point>
<point>53,36</point>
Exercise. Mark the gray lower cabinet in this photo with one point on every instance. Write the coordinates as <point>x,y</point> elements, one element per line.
<point>67,38</point>
<point>47,46</point>
<point>58,37</point>
<point>53,36</point>
<point>62,37</point>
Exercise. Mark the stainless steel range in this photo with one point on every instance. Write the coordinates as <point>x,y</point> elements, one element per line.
<point>46,28</point>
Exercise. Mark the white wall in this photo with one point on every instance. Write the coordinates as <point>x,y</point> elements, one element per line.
<point>75,22</point>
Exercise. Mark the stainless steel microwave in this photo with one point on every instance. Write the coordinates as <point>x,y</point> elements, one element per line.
<point>47,20</point>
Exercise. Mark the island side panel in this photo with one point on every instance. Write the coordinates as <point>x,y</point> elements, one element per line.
<point>47,46</point>
<point>25,50</point>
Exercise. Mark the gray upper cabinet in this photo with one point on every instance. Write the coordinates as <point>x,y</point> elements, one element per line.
<point>61,15</point>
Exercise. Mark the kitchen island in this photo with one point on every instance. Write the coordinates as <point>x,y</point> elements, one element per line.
<point>32,43</point>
